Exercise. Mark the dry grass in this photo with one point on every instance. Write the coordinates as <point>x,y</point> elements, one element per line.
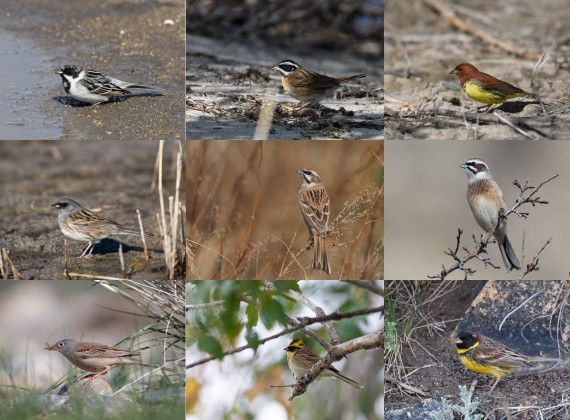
<point>244,220</point>
<point>7,266</point>
<point>169,225</point>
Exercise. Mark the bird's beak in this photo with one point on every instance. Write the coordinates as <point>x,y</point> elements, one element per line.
<point>463,166</point>
<point>300,171</point>
<point>50,348</point>
<point>60,71</point>
<point>454,71</point>
<point>56,205</point>
<point>275,68</point>
<point>458,341</point>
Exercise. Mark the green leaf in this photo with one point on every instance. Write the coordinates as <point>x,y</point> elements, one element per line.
<point>252,339</point>
<point>211,346</point>
<point>231,324</point>
<point>286,285</point>
<point>252,315</point>
<point>271,312</point>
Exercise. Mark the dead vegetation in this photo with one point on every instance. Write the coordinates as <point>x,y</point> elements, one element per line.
<point>244,221</point>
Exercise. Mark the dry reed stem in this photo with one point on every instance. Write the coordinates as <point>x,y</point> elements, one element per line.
<point>6,258</point>
<point>143,237</point>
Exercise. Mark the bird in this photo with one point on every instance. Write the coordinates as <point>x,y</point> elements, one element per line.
<point>483,355</point>
<point>300,359</point>
<point>93,87</point>
<point>307,86</point>
<point>488,207</point>
<point>83,225</point>
<point>95,357</point>
<point>315,209</point>
<point>484,88</point>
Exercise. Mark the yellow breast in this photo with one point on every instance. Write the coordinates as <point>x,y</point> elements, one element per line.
<point>496,371</point>
<point>479,94</point>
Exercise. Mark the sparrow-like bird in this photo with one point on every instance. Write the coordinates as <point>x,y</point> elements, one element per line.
<point>315,208</point>
<point>95,357</point>
<point>484,88</point>
<point>487,204</point>
<point>83,225</point>
<point>92,87</point>
<point>489,357</point>
<point>300,359</point>
<point>308,86</point>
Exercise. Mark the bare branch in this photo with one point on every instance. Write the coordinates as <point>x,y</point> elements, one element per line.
<point>302,323</point>
<point>367,342</point>
<point>332,332</point>
<point>367,284</point>
<point>480,246</point>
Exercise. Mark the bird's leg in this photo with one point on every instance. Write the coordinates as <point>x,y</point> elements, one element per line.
<point>494,385</point>
<point>103,372</point>
<point>490,108</point>
<point>89,248</point>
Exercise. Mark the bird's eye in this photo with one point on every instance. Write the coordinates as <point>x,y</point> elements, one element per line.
<point>61,344</point>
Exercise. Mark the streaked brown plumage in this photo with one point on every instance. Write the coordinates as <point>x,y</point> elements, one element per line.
<point>486,356</point>
<point>315,208</point>
<point>487,205</point>
<point>307,86</point>
<point>83,225</point>
<point>95,357</point>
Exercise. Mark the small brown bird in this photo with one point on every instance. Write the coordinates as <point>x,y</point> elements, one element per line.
<point>315,209</point>
<point>95,357</point>
<point>308,86</point>
<point>487,205</point>
<point>83,225</point>
<point>484,88</point>
<point>300,359</point>
<point>489,357</point>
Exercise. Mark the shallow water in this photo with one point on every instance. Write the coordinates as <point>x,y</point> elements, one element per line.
<point>28,89</point>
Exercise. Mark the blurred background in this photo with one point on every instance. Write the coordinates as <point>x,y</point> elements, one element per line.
<point>128,315</point>
<point>140,41</point>
<point>232,46</point>
<point>427,204</point>
<point>301,26</point>
<point>244,220</point>
<point>225,315</point>
<point>425,40</point>
<point>112,179</point>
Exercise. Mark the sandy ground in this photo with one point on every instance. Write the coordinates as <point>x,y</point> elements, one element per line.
<point>431,359</point>
<point>129,41</point>
<point>424,101</point>
<point>227,82</point>
<point>35,175</point>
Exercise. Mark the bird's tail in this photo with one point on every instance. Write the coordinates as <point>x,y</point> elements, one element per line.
<point>349,381</point>
<point>320,258</point>
<point>141,87</point>
<point>344,79</point>
<point>509,257</point>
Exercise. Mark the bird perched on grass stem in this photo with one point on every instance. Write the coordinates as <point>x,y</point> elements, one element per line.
<point>484,88</point>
